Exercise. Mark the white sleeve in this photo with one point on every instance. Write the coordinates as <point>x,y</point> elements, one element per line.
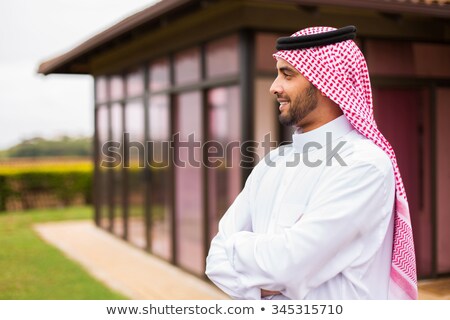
<point>323,243</point>
<point>218,267</point>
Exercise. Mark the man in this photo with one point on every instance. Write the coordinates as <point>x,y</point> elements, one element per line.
<point>325,217</point>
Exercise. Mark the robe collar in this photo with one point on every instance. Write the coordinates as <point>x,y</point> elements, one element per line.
<point>337,128</point>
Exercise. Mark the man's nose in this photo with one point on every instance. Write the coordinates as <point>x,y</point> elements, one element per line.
<point>276,88</point>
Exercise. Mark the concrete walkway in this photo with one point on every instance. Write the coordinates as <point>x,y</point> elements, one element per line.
<point>139,275</point>
<point>124,268</point>
<point>438,289</point>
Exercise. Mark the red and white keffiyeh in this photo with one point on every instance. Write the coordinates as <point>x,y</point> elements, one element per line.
<point>340,72</point>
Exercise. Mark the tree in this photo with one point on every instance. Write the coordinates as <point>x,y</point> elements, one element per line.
<point>40,147</point>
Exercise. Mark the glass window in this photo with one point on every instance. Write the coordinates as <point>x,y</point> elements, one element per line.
<point>160,191</point>
<point>266,124</point>
<point>399,58</point>
<point>389,57</point>
<point>188,184</point>
<point>265,46</point>
<point>159,126</point>
<point>101,89</point>
<point>103,176</point>
<point>224,173</point>
<point>159,75</point>
<point>135,82</point>
<point>432,60</point>
<point>117,87</point>
<point>400,115</point>
<point>222,57</point>
<point>187,66</point>
<point>135,127</point>
<point>443,179</point>
<point>134,150</point>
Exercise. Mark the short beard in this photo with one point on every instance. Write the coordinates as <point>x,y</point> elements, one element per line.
<point>303,105</point>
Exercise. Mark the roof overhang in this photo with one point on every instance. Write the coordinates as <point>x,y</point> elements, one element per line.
<point>439,8</point>
<point>77,57</point>
<point>160,14</point>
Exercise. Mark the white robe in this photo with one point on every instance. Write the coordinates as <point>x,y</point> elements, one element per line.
<point>310,231</point>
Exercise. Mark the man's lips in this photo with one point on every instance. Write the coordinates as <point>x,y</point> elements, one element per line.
<point>282,103</point>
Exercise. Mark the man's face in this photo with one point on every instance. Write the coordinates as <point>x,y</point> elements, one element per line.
<point>296,95</point>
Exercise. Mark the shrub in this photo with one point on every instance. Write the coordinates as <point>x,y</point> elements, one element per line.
<point>28,184</point>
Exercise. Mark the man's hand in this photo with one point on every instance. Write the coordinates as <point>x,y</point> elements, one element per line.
<point>265,293</point>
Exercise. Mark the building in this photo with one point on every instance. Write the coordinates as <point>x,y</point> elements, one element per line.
<point>184,67</point>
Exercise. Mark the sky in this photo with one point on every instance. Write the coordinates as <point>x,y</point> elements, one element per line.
<point>32,32</point>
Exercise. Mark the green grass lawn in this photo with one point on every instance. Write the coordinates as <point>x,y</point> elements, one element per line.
<point>32,269</point>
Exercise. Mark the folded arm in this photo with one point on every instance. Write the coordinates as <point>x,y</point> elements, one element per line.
<point>218,267</point>
<point>322,243</point>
